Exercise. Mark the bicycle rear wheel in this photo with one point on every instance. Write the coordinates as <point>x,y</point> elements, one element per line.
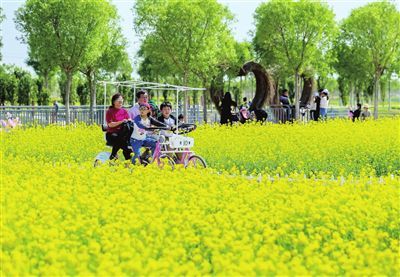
<point>166,162</point>
<point>97,163</point>
<point>196,161</point>
<point>101,158</point>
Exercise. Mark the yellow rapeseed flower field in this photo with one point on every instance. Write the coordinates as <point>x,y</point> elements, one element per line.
<point>336,146</point>
<point>323,199</point>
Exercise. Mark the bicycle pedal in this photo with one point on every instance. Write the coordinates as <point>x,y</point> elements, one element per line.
<point>145,162</point>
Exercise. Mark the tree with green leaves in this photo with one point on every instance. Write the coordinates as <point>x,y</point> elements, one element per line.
<point>187,36</point>
<point>45,71</point>
<point>25,93</point>
<point>81,91</point>
<point>353,69</point>
<point>113,58</point>
<point>66,33</point>
<point>293,35</point>
<point>242,54</point>
<point>8,85</point>
<point>372,32</point>
<point>43,97</point>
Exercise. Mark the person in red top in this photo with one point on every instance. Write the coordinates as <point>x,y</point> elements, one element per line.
<point>116,115</point>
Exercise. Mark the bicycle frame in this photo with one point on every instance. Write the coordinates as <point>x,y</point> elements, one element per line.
<point>186,152</point>
<point>163,148</point>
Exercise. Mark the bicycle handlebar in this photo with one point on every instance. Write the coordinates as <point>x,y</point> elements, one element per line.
<point>182,128</point>
<point>186,128</point>
<point>158,128</point>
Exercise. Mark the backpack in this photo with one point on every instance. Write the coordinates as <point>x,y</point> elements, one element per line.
<point>127,130</point>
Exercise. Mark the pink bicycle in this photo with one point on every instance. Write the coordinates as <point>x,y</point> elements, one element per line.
<point>175,149</point>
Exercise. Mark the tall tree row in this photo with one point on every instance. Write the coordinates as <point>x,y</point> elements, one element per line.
<point>293,35</point>
<point>189,40</point>
<point>68,34</point>
<point>369,45</point>
<point>191,43</point>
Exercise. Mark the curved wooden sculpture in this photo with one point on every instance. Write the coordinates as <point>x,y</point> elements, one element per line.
<point>265,90</point>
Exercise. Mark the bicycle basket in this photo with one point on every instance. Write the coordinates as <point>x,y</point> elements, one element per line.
<point>177,141</point>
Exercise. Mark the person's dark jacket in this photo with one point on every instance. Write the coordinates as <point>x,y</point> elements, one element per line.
<point>284,100</point>
<point>317,105</point>
<point>226,111</point>
<point>261,115</point>
<point>356,114</point>
<point>161,118</point>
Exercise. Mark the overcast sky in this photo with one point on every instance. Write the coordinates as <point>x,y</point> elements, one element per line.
<point>15,52</point>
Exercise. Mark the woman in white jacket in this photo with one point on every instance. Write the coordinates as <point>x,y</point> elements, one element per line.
<point>323,108</point>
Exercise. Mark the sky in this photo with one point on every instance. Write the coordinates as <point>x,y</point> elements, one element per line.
<point>14,52</point>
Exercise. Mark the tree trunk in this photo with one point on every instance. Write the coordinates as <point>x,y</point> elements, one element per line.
<point>92,104</point>
<point>216,91</point>
<point>204,103</point>
<point>357,93</point>
<point>390,78</point>
<point>276,95</point>
<point>307,91</point>
<point>94,88</point>
<point>185,98</point>
<point>46,81</point>
<point>376,94</point>
<point>297,95</point>
<point>165,95</point>
<point>68,84</point>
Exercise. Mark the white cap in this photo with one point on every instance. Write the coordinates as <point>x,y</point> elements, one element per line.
<point>325,91</point>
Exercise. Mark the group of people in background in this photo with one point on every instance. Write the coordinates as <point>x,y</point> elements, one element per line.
<point>319,105</point>
<point>359,113</point>
<point>231,112</point>
<point>320,102</point>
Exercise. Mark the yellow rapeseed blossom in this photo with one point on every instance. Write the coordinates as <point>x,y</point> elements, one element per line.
<point>256,211</point>
<point>336,146</point>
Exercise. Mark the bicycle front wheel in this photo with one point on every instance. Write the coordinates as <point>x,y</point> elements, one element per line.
<point>166,162</point>
<point>196,161</point>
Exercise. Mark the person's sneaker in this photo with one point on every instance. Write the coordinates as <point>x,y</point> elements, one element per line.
<point>145,158</point>
<point>148,157</point>
<point>145,162</point>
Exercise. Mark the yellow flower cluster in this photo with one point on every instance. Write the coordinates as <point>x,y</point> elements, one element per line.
<point>336,146</point>
<point>62,216</point>
<point>57,144</point>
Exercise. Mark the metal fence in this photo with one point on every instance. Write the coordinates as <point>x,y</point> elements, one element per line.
<point>44,115</point>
